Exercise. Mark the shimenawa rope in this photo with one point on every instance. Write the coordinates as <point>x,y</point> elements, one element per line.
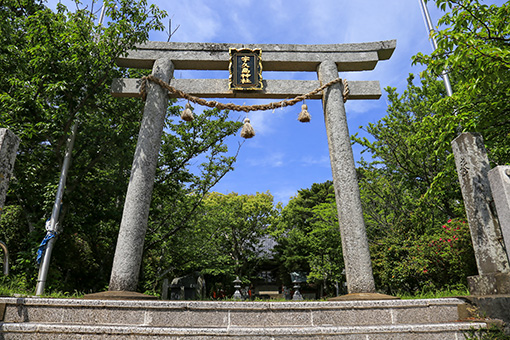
<point>234,107</point>
<point>247,130</point>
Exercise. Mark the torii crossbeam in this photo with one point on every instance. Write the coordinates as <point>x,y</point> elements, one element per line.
<point>326,60</point>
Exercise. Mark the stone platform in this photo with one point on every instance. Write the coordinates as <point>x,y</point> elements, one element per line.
<point>39,318</point>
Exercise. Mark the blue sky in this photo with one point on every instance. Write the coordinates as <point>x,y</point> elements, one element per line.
<point>286,155</point>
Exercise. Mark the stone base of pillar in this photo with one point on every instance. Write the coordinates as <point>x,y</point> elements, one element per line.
<point>494,307</point>
<point>119,295</point>
<point>489,284</point>
<point>363,297</point>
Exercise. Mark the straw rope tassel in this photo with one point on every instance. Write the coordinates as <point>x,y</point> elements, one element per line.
<point>187,114</point>
<point>304,116</point>
<point>247,130</point>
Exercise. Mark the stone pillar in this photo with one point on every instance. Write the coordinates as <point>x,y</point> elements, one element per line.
<point>473,167</point>
<point>128,253</point>
<point>499,179</point>
<point>9,143</point>
<point>358,265</point>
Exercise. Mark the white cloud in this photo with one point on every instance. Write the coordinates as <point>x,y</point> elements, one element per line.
<point>310,160</point>
<point>280,11</point>
<point>267,122</point>
<point>198,21</point>
<point>261,122</point>
<point>356,107</point>
<point>284,195</point>
<point>273,159</point>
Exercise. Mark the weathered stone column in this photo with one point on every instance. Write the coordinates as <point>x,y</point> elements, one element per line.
<point>473,167</point>
<point>128,253</point>
<point>9,143</point>
<point>358,265</point>
<point>499,179</point>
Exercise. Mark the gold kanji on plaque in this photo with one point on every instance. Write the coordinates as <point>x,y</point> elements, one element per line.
<point>245,69</point>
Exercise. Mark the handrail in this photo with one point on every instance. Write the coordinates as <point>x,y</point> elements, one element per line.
<point>6,258</point>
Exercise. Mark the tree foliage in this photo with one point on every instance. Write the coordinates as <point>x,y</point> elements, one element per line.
<point>308,236</point>
<point>404,184</point>
<point>227,236</point>
<point>411,185</point>
<point>244,221</point>
<point>57,68</point>
<point>474,48</point>
<point>409,189</point>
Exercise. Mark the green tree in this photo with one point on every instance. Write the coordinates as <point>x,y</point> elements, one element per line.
<point>414,180</point>
<point>244,221</point>
<point>325,243</point>
<point>225,238</point>
<point>410,188</point>
<point>179,190</point>
<point>57,68</point>
<point>404,185</point>
<point>474,48</point>
<point>308,237</point>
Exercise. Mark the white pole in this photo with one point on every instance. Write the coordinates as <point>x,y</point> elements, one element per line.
<point>430,28</point>
<point>45,263</point>
<point>101,17</point>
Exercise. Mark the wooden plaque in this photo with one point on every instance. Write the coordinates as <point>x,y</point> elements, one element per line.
<point>245,69</point>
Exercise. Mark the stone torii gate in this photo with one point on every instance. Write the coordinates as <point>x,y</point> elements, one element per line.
<point>327,60</point>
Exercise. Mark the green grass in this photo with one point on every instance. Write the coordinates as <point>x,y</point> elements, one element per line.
<point>16,292</point>
<point>12,287</point>
<point>491,333</point>
<point>437,294</point>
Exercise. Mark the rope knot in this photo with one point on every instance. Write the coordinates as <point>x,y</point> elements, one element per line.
<point>347,91</point>
<point>187,114</point>
<point>143,88</point>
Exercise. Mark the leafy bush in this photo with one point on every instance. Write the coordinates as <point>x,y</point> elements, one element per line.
<point>439,260</point>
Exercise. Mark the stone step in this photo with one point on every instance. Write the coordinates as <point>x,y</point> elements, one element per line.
<point>214,314</point>
<point>45,319</point>
<point>49,331</point>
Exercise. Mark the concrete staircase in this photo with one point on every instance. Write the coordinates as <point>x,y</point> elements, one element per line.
<point>45,319</point>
